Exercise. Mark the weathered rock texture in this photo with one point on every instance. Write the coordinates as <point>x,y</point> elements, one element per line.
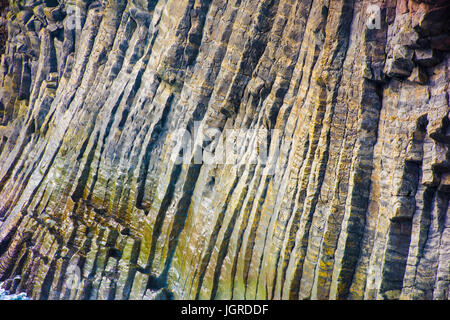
<point>357,206</point>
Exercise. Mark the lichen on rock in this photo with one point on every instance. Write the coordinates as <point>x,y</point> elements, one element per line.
<point>349,100</point>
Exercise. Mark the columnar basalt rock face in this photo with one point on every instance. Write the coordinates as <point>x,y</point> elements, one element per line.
<point>352,204</point>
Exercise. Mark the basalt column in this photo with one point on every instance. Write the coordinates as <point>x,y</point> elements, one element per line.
<point>100,198</point>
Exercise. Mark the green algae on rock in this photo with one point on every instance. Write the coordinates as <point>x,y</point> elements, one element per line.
<point>353,202</point>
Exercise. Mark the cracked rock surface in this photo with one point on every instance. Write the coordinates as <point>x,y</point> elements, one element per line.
<point>352,204</point>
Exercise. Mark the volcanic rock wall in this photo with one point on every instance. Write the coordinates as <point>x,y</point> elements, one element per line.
<point>353,202</point>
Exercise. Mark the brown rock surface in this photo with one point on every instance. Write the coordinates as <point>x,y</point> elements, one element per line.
<point>352,204</point>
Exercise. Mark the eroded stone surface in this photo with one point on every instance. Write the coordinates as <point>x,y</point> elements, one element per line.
<point>355,206</point>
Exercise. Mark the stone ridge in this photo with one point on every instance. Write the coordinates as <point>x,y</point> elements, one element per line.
<point>352,204</point>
